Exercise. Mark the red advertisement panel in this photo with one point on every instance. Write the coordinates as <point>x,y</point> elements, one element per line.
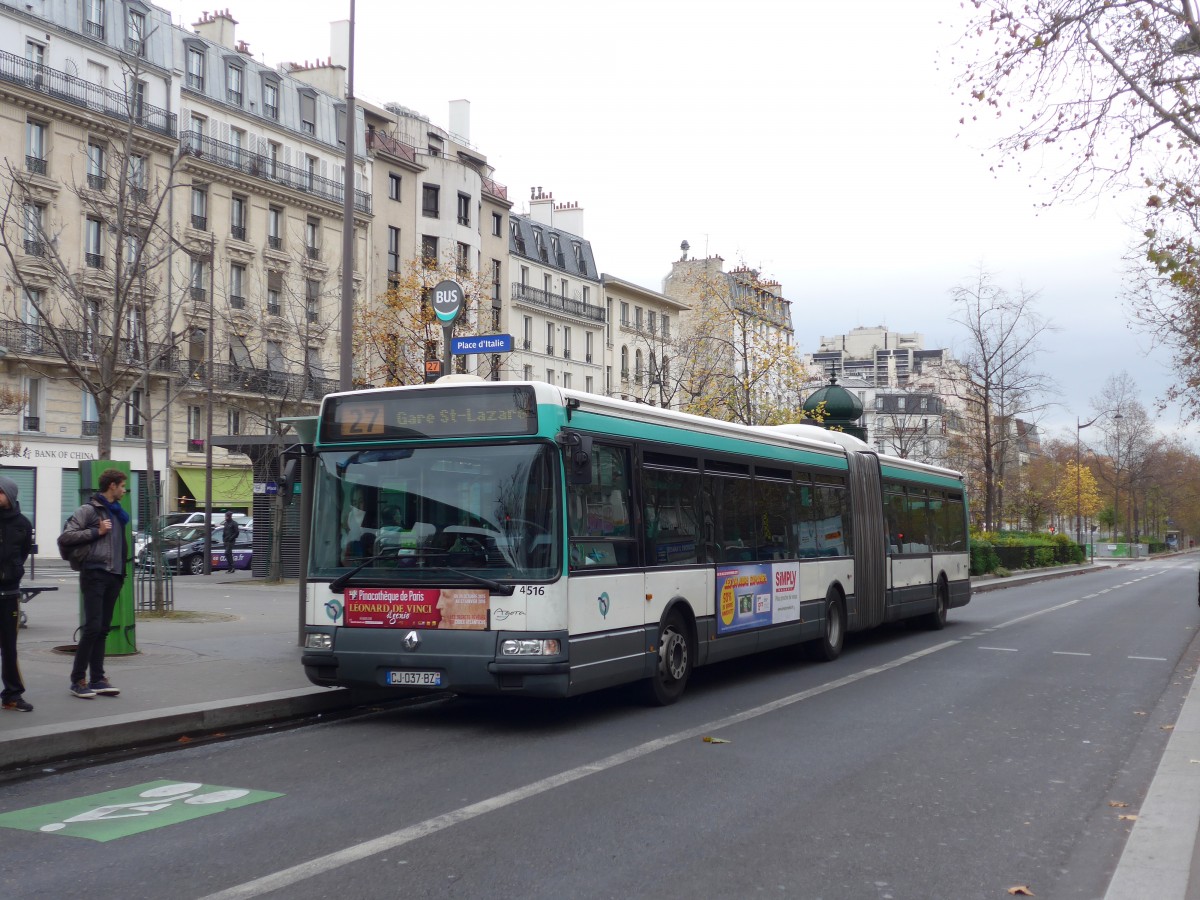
<point>457,608</point>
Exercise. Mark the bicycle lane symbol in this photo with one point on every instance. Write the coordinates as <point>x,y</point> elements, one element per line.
<point>116,814</point>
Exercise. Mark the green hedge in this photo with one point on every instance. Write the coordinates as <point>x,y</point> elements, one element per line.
<point>1014,550</point>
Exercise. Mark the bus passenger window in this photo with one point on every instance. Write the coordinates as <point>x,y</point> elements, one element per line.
<point>599,513</point>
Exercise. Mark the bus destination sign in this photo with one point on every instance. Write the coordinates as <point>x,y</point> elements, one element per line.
<point>417,414</point>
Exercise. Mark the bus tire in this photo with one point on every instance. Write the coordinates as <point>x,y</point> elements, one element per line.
<point>828,647</point>
<point>674,665</point>
<point>936,620</point>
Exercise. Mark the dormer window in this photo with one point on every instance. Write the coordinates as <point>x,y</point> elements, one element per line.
<point>270,99</point>
<point>308,112</point>
<point>233,84</point>
<point>195,68</point>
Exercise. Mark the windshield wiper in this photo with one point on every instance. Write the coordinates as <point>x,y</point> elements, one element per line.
<point>505,590</point>
<point>339,584</point>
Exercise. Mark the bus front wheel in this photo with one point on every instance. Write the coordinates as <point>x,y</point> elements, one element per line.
<point>828,647</point>
<point>674,664</point>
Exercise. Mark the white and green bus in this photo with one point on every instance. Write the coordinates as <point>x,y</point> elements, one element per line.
<point>517,538</point>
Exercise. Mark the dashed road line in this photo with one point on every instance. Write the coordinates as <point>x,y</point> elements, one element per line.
<point>1149,658</point>
<point>1003,649</point>
<point>1068,653</point>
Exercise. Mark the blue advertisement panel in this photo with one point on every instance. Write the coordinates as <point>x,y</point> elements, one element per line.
<point>752,596</point>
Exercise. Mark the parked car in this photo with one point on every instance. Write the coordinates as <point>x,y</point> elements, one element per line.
<point>243,550</point>
<point>183,549</point>
<point>173,520</point>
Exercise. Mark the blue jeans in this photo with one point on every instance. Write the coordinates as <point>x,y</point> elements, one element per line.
<point>100,592</point>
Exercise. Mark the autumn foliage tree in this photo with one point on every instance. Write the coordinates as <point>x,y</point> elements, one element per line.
<point>1112,89</point>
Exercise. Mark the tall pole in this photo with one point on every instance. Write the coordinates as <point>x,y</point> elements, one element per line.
<point>347,348</point>
<point>208,413</point>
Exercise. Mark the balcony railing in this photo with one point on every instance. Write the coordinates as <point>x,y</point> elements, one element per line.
<point>34,248</point>
<point>89,428</point>
<point>237,302</point>
<point>394,146</point>
<point>238,232</point>
<point>94,260</point>
<point>313,252</point>
<point>495,188</point>
<point>97,182</point>
<point>195,444</point>
<point>80,92</point>
<point>199,294</point>
<point>526,294</point>
<point>134,431</point>
<point>94,30</point>
<point>275,242</point>
<point>233,97</point>
<point>33,423</point>
<point>258,166</point>
<point>272,309</point>
<point>35,164</point>
<point>200,223</point>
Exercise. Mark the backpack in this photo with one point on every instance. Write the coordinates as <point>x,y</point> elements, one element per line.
<point>74,554</point>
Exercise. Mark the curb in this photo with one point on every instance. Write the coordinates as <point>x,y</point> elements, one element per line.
<point>57,743</point>
<point>983,584</point>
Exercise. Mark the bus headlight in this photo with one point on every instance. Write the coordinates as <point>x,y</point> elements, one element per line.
<point>530,647</point>
<point>318,641</point>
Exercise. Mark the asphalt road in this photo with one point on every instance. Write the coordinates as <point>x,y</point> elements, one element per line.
<point>953,764</point>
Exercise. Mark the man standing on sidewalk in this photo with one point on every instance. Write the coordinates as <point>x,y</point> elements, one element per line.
<point>100,523</point>
<point>16,540</point>
<point>229,536</point>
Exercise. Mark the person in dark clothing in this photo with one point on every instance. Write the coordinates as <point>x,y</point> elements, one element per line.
<point>229,535</point>
<point>16,540</point>
<point>100,523</point>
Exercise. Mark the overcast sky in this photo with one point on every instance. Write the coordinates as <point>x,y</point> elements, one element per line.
<point>819,143</point>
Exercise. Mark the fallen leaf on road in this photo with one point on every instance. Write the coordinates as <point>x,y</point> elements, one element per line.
<point>1021,891</point>
<point>185,740</point>
<point>713,740</point>
<point>1127,817</point>
<point>1166,727</point>
<point>1117,803</point>
<point>1139,713</point>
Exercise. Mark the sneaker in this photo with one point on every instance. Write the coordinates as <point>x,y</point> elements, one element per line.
<point>80,689</point>
<point>19,704</point>
<point>103,687</point>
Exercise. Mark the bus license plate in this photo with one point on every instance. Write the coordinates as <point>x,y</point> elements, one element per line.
<point>413,678</point>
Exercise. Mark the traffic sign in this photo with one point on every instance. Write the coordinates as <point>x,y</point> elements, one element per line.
<point>487,343</point>
<point>447,301</point>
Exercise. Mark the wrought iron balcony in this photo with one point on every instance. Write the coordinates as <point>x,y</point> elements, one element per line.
<point>196,444</point>
<point>34,248</point>
<point>258,166</point>
<point>275,242</point>
<point>313,252</point>
<point>35,164</point>
<point>33,423</point>
<point>525,294</point>
<point>89,428</point>
<point>199,293</point>
<point>238,232</point>
<point>237,302</point>
<point>81,92</point>
<point>134,431</point>
<point>94,260</point>
<point>200,223</point>
<point>97,182</point>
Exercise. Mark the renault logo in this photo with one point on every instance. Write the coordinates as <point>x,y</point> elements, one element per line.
<point>412,641</point>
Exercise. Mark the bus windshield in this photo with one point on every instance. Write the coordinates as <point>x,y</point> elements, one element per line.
<point>444,514</point>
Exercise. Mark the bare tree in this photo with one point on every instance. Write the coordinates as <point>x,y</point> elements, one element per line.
<point>998,380</point>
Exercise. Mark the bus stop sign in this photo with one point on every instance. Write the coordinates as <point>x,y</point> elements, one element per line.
<point>447,301</point>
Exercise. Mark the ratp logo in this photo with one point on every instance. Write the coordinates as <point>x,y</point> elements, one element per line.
<point>605,605</point>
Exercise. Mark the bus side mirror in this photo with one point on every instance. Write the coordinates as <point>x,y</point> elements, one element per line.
<point>577,455</point>
<point>288,476</point>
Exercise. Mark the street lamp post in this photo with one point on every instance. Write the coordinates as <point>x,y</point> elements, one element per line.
<point>1078,480</point>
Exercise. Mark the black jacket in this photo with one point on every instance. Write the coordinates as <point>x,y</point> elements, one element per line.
<point>16,540</point>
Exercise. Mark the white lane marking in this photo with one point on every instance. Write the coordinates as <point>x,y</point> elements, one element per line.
<point>1150,658</point>
<point>1005,649</point>
<point>1068,653</point>
<point>322,864</point>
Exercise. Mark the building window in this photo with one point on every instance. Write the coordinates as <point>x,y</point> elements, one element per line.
<point>393,250</point>
<point>528,373</point>
<point>547,285</point>
<point>195,69</point>
<point>666,326</point>
<point>133,415</point>
<point>270,98</point>
<point>233,420</point>
<point>464,209</point>
<point>580,262</point>
<point>497,223</point>
<point>93,19</point>
<point>586,295</point>
<point>588,384</point>
<point>274,290</point>
<point>527,343</point>
<point>237,212</point>
<point>651,321</point>
<point>495,281</point>
<point>308,112</point>
<point>35,147</point>
<point>233,84</point>
<point>624,313</point>
<point>237,286</point>
<point>587,346</point>
<point>93,243</point>
<point>549,376</point>
<point>463,259</point>
<point>312,298</point>
<point>566,342</point>
<point>637,318</point>
<point>625,363</point>
<point>97,177</point>
<point>237,140</point>
<point>310,172</point>
<point>429,200</point>
<point>200,209</point>
<point>32,413</point>
<point>312,233</point>
<point>429,249</point>
<point>195,427</point>
<point>198,283</point>
<point>137,178</point>
<point>275,228</point>
<point>272,159</point>
<point>393,186</point>
<point>34,229</point>
<point>196,143</point>
<point>550,338</point>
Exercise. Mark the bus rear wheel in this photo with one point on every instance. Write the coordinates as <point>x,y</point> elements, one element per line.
<point>828,647</point>
<point>936,620</point>
<point>674,664</point>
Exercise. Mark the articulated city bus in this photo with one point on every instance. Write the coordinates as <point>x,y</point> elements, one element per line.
<point>518,538</point>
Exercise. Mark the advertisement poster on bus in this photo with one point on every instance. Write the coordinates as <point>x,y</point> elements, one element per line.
<point>756,595</point>
<point>463,609</point>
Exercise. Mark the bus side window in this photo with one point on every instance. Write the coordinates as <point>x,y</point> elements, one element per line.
<point>599,513</point>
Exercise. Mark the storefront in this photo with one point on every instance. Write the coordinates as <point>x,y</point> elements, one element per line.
<point>232,489</point>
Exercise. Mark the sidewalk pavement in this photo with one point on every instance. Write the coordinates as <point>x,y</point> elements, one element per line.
<point>229,658</point>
